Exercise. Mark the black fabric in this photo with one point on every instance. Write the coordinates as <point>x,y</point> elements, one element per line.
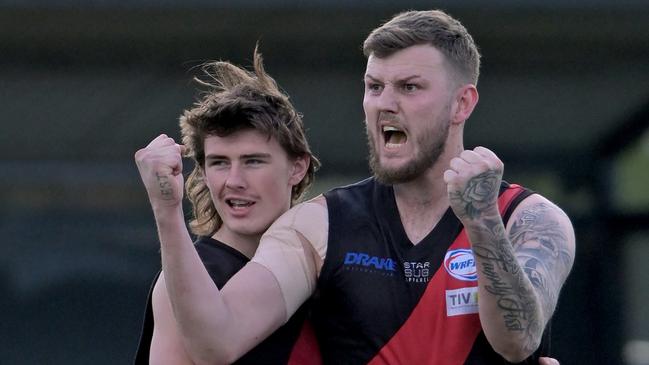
<point>482,353</point>
<point>362,298</point>
<point>144,346</point>
<point>349,314</point>
<point>222,262</point>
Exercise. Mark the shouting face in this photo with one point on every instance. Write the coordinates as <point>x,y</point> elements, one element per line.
<point>407,112</point>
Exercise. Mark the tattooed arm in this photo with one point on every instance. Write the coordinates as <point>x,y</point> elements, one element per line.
<point>520,269</point>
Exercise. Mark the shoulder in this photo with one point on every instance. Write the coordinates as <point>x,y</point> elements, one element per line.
<point>309,213</point>
<point>360,188</point>
<point>536,209</point>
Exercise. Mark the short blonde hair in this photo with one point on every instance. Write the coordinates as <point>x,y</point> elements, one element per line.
<point>433,27</point>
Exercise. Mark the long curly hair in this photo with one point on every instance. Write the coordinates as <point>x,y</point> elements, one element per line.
<point>236,99</point>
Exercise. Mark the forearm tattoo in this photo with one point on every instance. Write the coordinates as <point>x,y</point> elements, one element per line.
<point>165,186</point>
<point>480,193</point>
<point>514,296</point>
<point>537,246</point>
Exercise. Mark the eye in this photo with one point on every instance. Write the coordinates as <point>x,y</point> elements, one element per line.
<point>217,163</point>
<point>374,87</point>
<point>410,87</point>
<point>254,161</point>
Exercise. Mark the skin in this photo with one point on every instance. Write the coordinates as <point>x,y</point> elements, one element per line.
<point>245,167</point>
<point>521,267</point>
<point>548,361</point>
<point>411,91</point>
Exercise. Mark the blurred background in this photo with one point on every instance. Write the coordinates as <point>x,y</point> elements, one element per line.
<point>564,101</point>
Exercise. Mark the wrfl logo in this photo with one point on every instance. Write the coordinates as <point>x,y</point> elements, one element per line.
<point>461,265</point>
<point>365,260</point>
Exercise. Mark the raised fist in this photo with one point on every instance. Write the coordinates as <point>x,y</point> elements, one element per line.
<point>473,181</point>
<point>160,166</point>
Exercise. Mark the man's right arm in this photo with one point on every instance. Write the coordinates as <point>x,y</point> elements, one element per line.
<point>216,326</point>
<point>220,326</point>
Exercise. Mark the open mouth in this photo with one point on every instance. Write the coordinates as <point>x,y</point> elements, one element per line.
<point>238,203</point>
<point>393,137</point>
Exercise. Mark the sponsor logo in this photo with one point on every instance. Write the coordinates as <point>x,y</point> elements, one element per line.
<point>462,301</point>
<point>416,272</point>
<point>363,262</point>
<point>461,265</point>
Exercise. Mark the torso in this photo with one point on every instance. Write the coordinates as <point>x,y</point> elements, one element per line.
<point>222,262</point>
<point>383,300</point>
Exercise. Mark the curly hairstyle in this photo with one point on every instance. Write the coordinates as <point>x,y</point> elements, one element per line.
<point>235,100</point>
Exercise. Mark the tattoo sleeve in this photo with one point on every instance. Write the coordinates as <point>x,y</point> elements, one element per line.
<point>505,281</point>
<point>523,272</point>
<point>540,245</point>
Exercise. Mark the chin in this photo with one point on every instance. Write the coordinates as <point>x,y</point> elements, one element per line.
<point>246,228</point>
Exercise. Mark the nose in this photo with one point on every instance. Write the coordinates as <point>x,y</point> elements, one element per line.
<point>236,179</point>
<point>387,100</point>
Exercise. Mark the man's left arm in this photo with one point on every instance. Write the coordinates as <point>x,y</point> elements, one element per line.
<point>521,268</point>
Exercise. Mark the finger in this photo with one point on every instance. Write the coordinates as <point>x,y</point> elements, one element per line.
<point>161,140</point>
<point>548,361</point>
<point>168,141</point>
<point>177,169</point>
<point>449,176</point>
<point>160,137</point>
<point>459,164</point>
<point>471,156</point>
<point>485,152</point>
<point>492,160</point>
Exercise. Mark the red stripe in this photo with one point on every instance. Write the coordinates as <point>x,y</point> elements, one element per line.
<point>429,336</point>
<point>505,199</point>
<point>306,350</point>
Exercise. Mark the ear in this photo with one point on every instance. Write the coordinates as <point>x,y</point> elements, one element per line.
<point>465,101</point>
<point>299,169</point>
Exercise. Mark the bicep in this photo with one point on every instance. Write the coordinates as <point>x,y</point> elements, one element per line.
<point>293,250</point>
<point>166,342</point>
<point>544,244</point>
<point>255,301</point>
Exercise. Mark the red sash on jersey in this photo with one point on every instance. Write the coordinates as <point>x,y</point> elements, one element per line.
<point>306,350</point>
<point>429,336</point>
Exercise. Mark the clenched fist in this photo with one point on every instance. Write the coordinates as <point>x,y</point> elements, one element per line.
<point>473,181</point>
<point>160,165</point>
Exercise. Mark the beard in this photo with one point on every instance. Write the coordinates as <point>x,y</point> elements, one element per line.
<point>431,146</point>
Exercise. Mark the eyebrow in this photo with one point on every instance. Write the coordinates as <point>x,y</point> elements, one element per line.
<point>248,155</point>
<point>405,79</point>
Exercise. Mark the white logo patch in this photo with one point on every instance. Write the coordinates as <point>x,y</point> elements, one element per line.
<point>462,301</point>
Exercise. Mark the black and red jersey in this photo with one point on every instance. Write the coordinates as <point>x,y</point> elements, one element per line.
<point>383,300</point>
<point>294,343</point>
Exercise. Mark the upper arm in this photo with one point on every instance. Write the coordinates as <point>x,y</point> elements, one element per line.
<point>544,244</point>
<point>255,305</point>
<point>293,250</point>
<point>166,342</point>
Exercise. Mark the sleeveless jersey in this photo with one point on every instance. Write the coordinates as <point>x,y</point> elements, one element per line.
<point>294,343</point>
<point>383,300</point>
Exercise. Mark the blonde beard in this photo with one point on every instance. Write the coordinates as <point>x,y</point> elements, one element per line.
<point>433,146</point>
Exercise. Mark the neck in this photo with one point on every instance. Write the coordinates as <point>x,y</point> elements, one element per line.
<point>426,193</point>
<point>423,201</point>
